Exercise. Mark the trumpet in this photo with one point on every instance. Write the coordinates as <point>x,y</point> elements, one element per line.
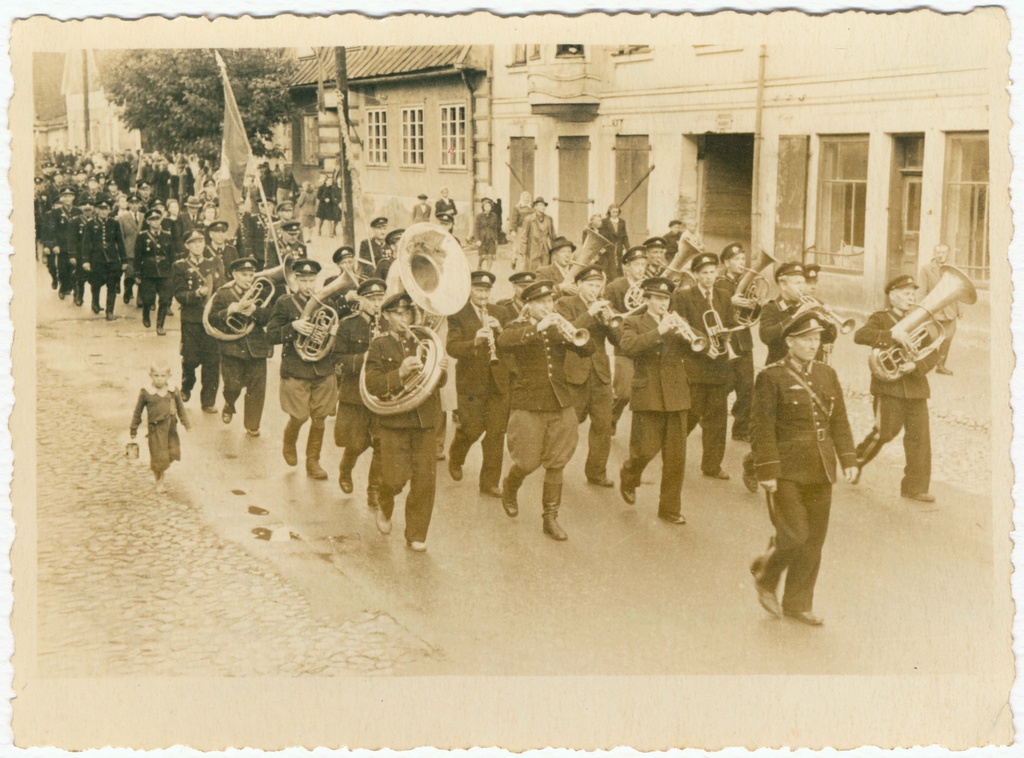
<point>606,315</point>
<point>844,326</point>
<point>491,345</point>
<point>568,332</point>
<point>698,342</point>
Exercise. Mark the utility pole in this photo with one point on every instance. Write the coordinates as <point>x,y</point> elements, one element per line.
<point>341,82</point>
<point>85,97</point>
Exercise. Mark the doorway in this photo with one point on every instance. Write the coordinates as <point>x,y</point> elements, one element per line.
<point>573,183</point>
<point>521,154</point>
<point>905,205</point>
<point>632,180</point>
<point>727,162</point>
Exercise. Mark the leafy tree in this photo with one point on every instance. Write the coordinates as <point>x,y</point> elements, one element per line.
<point>175,98</point>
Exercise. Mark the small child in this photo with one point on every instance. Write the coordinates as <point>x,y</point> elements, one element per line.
<point>163,407</point>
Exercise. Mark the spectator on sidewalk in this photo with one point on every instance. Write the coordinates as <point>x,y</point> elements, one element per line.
<point>421,211</point>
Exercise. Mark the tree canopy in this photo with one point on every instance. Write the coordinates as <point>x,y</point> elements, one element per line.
<point>175,98</point>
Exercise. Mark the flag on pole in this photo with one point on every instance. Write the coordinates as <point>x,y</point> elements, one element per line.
<point>236,158</point>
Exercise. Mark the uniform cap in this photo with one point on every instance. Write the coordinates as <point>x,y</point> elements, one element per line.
<point>486,200</point>
<point>103,204</point>
<point>904,281</point>
<point>154,213</point>
<point>560,242</point>
<point>482,279</point>
<point>633,253</point>
<point>734,248</point>
<point>39,180</point>
<point>812,270</point>
<point>133,198</point>
<point>393,237</point>
<point>285,206</point>
<point>400,301</point>
<point>372,287</point>
<point>675,222</point>
<point>68,191</point>
<point>379,222</point>
<point>343,252</point>
<point>305,267</point>
<point>537,290</point>
<point>242,264</point>
<point>209,183</point>
<point>657,285</point>
<point>291,226</point>
<point>805,323</point>
<point>143,185</point>
<point>523,277</point>
<point>589,272</point>
<point>219,226</point>
<point>702,260</point>
<point>656,242</point>
<point>195,236</point>
<point>789,269</point>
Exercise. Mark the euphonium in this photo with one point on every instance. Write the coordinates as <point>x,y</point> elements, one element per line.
<point>431,267</point>
<point>845,326</point>
<point>925,332</point>
<point>568,332</point>
<point>261,292</point>
<point>752,291</point>
<point>318,344</point>
<point>698,342</point>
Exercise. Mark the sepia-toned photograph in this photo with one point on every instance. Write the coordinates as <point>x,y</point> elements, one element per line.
<point>431,381</point>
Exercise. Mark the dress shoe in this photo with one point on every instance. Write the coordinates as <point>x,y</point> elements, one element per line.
<point>491,491</point>
<point>145,320</point>
<point>96,308</point>
<point>161,332</point>
<point>253,432</point>
<point>79,302</point>
<point>383,523</point>
<point>944,371</point>
<point>672,518</point>
<point>922,497</point>
<point>805,617</point>
<point>314,470</point>
<point>717,475</point>
<point>417,547</point>
<point>186,395</point>
<point>62,294</point>
<point>345,481</point>
<point>628,493</point>
<point>750,482</point>
<point>209,409</point>
<point>604,481</point>
<point>856,476</point>
<point>455,470</point>
<point>54,285</point>
<point>111,317</point>
<point>765,596</point>
<point>226,416</point>
<point>126,298</point>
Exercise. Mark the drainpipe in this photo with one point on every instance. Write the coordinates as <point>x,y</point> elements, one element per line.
<point>755,189</point>
<point>470,146</point>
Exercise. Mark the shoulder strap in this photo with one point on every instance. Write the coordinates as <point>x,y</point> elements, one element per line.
<point>814,395</point>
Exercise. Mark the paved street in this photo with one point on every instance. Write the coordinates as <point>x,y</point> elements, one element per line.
<point>247,567</point>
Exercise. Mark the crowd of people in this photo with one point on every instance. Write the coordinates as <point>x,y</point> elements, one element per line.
<point>664,328</point>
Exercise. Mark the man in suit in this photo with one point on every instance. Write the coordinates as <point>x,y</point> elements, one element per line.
<point>194,279</point>
<point>104,257</point>
<point>243,362</point>
<point>634,267</point>
<point>708,374</point>
<point>660,400</point>
<point>948,316</point>
<point>481,383</point>
<point>559,270</point>
<point>799,429</point>
<point>371,250</point>
<point>190,218</point>
<point>900,405</point>
<point>354,426</point>
<point>421,211</point>
<point>132,222</point>
<point>590,377</point>
<point>407,441</point>
<point>309,389</point>
<point>154,255</point>
<point>741,365</point>
<point>445,205</point>
<point>542,426</point>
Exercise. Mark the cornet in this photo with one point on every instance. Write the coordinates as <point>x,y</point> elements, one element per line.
<point>606,315</point>
<point>698,342</point>
<point>844,326</point>
<point>491,345</point>
<point>568,332</point>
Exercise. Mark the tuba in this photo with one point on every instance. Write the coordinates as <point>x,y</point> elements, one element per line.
<point>925,332</point>
<point>752,289</point>
<point>432,268</point>
<point>261,292</point>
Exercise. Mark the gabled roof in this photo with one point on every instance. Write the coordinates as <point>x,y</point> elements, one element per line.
<point>378,62</point>
<point>49,102</point>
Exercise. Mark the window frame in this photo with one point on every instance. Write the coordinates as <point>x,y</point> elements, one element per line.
<point>443,138</point>
<point>310,138</point>
<point>377,148</point>
<point>833,260</point>
<point>409,148</point>
<point>979,274</point>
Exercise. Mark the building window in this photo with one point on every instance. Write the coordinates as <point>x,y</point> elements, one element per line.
<point>377,137</point>
<point>310,140</point>
<point>519,55</point>
<point>632,49</point>
<point>412,137</point>
<point>569,51</point>
<point>965,203</point>
<point>534,52</point>
<point>842,199</point>
<point>453,136</point>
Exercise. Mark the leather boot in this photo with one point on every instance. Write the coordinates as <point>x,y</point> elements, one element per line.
<point>551,499</point>
<point>345,474</point>
<point>372,498</point>
<point>291,436</point>
<point>145,318</point>
<point>510,489</point>
<point>161,315</point>
<point>314,442</point>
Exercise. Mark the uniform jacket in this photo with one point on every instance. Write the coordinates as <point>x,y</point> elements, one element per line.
<point>691,304</point>
<point>187,278</point>
<point>154,254</point>
<point>742,341</point>
<point>371,250</point>
<point>281,332</point>
<point>270,257</point>
<point>227,254</point>
<point>131,225</point>
<point>382,362</point>
<point>538,365</point>
<point>59,230</point>
<point>476,375</point>
<point>792,438</point>
<point>255,345</point>
<point>102,242</point>
<point>877,332</point>
<point>773,314</point>
<point>354,336</point>
<point>659,360</point>
<point>578,367</point>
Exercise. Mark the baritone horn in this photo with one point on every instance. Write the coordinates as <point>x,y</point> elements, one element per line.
<point>752,290</point>
<point>325,318</point>
<point>925,332</point>
<point>261,293</point>
<point>430,266</point>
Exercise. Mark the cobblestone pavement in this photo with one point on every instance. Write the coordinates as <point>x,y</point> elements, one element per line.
<point>131,582</point>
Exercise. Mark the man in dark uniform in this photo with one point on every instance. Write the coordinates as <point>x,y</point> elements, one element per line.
<point>590,377</point>
<point>741,366</point>
<point>61,240</point>
<point>634,268</point>
<point>243,362</point>
<point>218,246</point>
<point>346,300</point>
<point>481,382</point>
<point>354,426</point>
<point>513,306</point>
<point>387,255</point>
<point>79,273</point>
<point>407,441</point>
<point>792,281</point>
<point>799,427</point>
<point>372,249</point>
<point>542,427</point>
<point>308,388</point>
<point>154,255</point>
<point>708,375</point>
<point>104,255</point>
<point>145,190</point>
<point>194,279</point>
<point>660,400</point>
<point>901,404</point>
<point>288,244</point>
